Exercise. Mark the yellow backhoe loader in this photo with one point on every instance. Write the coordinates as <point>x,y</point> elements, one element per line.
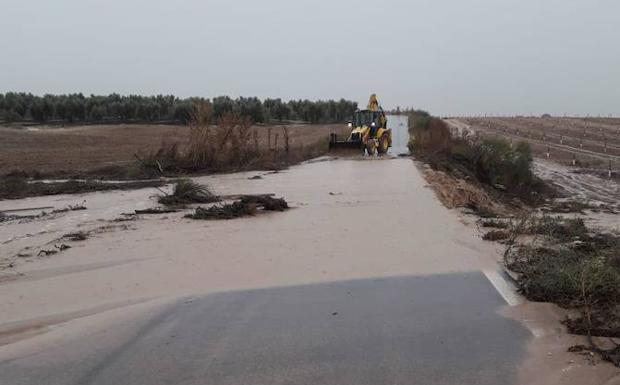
<point>369,130</point>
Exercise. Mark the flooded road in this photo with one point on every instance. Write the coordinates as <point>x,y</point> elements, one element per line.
<point>350,219</point>
<point>399,124</point>
<point>367,279</point>
<point>441,329</point>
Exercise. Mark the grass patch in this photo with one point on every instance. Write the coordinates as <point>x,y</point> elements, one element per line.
<point>557,228</point>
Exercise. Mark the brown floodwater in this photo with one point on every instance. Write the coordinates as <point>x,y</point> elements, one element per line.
<point>350,219</point>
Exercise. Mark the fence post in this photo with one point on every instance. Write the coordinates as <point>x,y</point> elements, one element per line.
<point>275,147</point>
<point>609,170</point>
<point>286,141</point>
<point>269,138</point>
<point>574,160</point>
<point>548,152</point>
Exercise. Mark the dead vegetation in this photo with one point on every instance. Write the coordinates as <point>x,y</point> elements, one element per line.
<point>155,210</point>
<point>495,223</point>
<point>187,191</point>
<point>231,143</point>
<point>247,205</point>
<point>496,235</point>
<point>454,192</point>
<point>76,236</point>
<point>57,249</point>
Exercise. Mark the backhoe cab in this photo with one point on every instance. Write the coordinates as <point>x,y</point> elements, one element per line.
<point>369,131</point>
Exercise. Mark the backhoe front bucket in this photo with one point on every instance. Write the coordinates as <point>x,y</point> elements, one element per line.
<point>334,143</point>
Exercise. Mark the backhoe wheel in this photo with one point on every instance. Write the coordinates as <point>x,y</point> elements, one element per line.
<point>371,147</point>
<point>384,144</point>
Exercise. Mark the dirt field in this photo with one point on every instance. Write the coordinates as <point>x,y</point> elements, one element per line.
<point>66,150</point>
<point>592,143</point>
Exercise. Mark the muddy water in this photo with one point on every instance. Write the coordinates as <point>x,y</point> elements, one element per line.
<point>351,219</point>
<point>400,134</point>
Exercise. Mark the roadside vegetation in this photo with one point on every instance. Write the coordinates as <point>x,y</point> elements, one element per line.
<point>114,108</point>
<point>499,167</point>
<point>553,257</point>
<point>560,260</point>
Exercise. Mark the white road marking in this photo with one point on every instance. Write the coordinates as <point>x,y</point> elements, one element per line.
<point>505,289</point>
<point>512,298</point>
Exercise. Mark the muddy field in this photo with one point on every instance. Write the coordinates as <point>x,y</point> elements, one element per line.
<point>586,143</point>
<point>49,150</point>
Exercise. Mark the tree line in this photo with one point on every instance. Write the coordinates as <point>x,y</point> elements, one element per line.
<point>77,108</point>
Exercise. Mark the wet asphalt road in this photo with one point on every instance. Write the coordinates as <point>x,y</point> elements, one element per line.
<point>442,329</point>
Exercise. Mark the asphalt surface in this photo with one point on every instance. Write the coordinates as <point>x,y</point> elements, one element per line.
<point>439,329</point>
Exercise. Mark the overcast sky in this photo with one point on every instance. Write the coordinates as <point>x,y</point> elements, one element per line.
<point>447,56</point>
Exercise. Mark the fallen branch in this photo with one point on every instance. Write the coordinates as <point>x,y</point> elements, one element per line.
<point>156,210</point>
<point>47,252</point>
<point>247,205</point>
<point>27,209</point>
<point>77,236</point>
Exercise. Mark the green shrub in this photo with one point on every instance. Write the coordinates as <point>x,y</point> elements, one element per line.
<point>418,120</point>
<point>496,162</point>
<point>565,277</point>
<point>562,229</point>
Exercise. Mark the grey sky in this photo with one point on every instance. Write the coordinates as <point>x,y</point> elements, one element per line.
<point>447,56</point>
